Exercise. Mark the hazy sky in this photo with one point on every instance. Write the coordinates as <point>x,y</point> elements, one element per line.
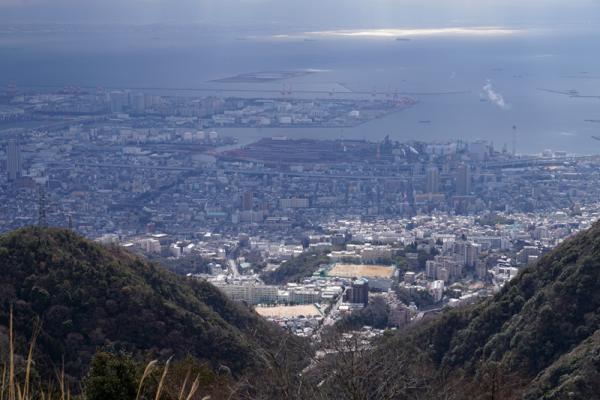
<point>306,13</point>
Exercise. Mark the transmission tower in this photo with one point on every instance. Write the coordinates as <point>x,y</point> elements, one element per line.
<point>514,140</point>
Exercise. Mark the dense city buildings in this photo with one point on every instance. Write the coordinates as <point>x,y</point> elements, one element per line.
<point>284,199</point>
<point>13,160</point>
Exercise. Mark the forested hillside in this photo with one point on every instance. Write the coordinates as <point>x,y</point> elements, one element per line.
<point>90,297</point>
<point>543,326</point>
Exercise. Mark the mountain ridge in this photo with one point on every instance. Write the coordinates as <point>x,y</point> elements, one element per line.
<point>539,323</point>
<point>91,297</point>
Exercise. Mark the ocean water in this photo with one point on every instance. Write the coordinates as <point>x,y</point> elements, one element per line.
<point>500,75</point>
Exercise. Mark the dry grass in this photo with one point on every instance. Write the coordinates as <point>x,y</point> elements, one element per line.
<point>12,387</point>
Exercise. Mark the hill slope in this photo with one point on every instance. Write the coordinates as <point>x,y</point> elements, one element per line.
<point>538,338</point>
<point>543,326</point>
<point>89,297</point>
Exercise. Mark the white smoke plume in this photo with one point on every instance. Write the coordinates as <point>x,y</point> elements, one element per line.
<point>495,97</point>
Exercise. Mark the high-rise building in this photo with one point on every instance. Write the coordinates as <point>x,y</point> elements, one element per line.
<point>436,290</point>
<point>139,103</point>
<point>463,180</point>
<point>294,202</point>
<point>409,277</point>
<point>247,201</point>
<point>249,292</point>
<point>471,253</point>
<point>360,292</point>
<point>118,101</point>
<point>467,253</point>
<point>431,269</point>
<point>13,162</point>
<point>432,180</point>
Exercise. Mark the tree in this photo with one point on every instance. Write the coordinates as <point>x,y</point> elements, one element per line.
<point>111,376</point>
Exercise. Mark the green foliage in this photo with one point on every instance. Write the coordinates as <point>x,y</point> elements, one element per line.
<point>375,315</point>
<point>410,248</point>
<point>401,263</point>
<point>423,257</point>
<point>189,264</point>
<point>421,298</point>
<point>90,297</point>
<point>297,268</point>
<point>111,376</point>
<point>575,375</point>
<point>534,327</point>
<point>538,338</point>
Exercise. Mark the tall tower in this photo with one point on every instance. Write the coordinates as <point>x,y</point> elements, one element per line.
<point>514,140</point>
<point>13,165</point>
<point>139,103</point>
<point>247,201</point>
<point>432,180</point>
<point>117,101</point>
<point>463,180</point>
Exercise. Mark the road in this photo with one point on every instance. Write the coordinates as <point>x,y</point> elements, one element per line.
<point>429,309</point>
<point>279,91</point>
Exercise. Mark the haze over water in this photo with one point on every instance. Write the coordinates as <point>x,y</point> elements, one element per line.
<point>502,75</point>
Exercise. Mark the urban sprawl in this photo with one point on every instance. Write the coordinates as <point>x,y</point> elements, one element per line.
<point>307,231</point>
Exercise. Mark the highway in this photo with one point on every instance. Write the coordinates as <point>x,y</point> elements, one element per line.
<point>518,163</point>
